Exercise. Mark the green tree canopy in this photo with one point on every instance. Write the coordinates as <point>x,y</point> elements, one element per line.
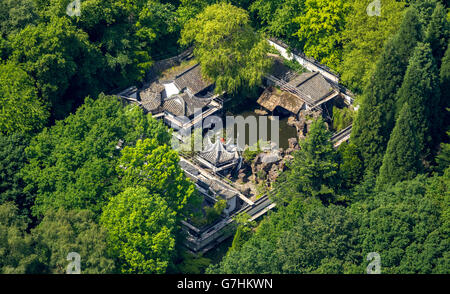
<point>420,89</point>
<point>61,61</point>
<point>314,170</point>
<point>189,9</point>
<point>141,230</point>
<point>73,164</point>
<point>402,159</point>
<point>12,160</point>
<point>62,232</point>
<point>443,158</point>
<point>229,50</point>
<point>351,167</point>
<point>364,37</point>
<point>17,255</point>
<point>406,224</point>
<point>156,167</point>
<point>299,249</point>
<point>21,108</point>
<point>45,249</point>
<point>321,27</point>
<point>282,23</point>
<point>376,116</point>
<point>15,15</point>
<point>445,85</point>
<point>265,10</point>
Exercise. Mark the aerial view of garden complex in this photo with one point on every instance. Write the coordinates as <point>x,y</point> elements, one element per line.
<point>222,137</point>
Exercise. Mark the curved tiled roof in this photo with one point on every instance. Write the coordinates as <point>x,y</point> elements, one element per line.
<point>192,79</point>
<point>174,105</point>
<point>190,82</point>
<point>217,153</point>
<point>152,102</point>
<point>151,97</point>
<point>194,103</point>
<point>184,104</point>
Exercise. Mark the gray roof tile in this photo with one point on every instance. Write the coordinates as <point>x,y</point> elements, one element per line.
<point>216,153</point>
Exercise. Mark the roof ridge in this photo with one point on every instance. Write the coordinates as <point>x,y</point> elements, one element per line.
<point>186,70</point>
<point>313,74</point>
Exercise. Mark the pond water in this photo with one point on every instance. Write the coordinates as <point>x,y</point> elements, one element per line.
<point>285,131</point>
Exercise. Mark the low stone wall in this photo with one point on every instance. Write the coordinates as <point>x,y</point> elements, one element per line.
<point>313,65</point>
<point>165,64</point>
<point>306,62</point>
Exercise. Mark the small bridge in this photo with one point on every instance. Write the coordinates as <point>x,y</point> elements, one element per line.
<point>342,136</point>
<point>259,208</point>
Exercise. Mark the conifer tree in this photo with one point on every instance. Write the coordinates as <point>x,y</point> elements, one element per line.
<point>401,161</point>
<point>420,89</point>
<point>445,86</point>
<point>375,119</point>
<point>425,9</point>
<point>443,158</point>
<point>313,172</point>
<point>437,32</point>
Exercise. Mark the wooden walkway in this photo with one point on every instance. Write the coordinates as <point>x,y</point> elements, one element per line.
<point>207,175</point>
<point>342,136</point>
<point>202,240</point>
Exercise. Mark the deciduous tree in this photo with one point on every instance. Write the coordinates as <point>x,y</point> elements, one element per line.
<point>264,10</point>
<point>15,15</point>
<point>62,232</point>
<point>73,164</point>
<point>407,226</point>
<point>364,37</point>
<point>22,110</point>
<point>12,160</point>
<point>17,254</point>
<point>321,27</point>
<point>230,52</point>
<point>156,167</point>
<point>60,61</point>
<point>141,226</point>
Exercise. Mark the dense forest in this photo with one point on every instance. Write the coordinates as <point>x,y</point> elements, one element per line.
<point>81,171</point>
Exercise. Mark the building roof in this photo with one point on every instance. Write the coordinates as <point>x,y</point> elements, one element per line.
<point>174,105</point>
<point>207,183</point>
<point>194,103</point>
<point>151,97</point>
<point>272,97</point>
<point>217,154</point>
<point>184,104</point>
<point>189,168</point>
<point>313,85</point>
<point>189,82</point>
<point>192,80</point>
